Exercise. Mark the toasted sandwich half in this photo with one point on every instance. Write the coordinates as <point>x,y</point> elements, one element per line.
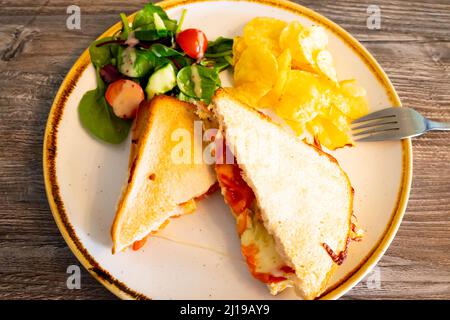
<point>162,181</point>
<point>292,201</point>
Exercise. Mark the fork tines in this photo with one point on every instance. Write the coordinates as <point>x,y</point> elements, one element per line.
<point>379,125</point>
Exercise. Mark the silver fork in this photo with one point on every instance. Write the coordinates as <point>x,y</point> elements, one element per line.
<point>393,124</point>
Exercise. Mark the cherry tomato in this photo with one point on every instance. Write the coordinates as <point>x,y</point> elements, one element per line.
<point>238,194</point>
<point>124,96</point>
<point>193,42</point>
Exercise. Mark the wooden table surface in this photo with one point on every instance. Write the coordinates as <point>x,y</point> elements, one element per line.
<point>37,50</point>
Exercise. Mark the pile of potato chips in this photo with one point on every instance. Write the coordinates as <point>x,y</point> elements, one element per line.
<point>287,67</point>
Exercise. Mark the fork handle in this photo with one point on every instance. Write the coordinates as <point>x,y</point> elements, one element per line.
<point>434,125</point>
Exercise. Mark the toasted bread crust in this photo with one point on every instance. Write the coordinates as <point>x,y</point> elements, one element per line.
<point>305,202</point>
<point>157,184</point>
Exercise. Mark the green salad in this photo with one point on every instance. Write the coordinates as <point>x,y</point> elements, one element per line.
<point>150,56</point>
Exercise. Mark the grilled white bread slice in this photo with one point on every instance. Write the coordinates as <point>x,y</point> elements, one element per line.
<point>304,197</point>
<point>159,182</point>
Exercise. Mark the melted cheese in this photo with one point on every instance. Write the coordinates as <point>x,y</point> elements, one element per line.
<point>258,246</point>
<point>266,258</point>
<point>269,260</point>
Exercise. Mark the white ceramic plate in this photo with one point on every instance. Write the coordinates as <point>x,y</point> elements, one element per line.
<point>198,256</point>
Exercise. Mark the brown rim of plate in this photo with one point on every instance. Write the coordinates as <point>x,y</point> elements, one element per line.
<point>119,288</point>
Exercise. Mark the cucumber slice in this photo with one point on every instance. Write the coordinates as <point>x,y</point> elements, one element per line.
<point>161,81</point>
<point>159,23</point>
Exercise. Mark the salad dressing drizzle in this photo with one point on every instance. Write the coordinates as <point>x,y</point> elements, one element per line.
<point>197,80</point>
<point>131,40</point>
<point>129,58</point>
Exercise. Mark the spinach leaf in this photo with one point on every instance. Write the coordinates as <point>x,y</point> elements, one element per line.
<point>159,25</point>
<point>143,17</point>
<point>182,61</point>
<point>150,34</point>
<point>218,64</point>
<point>125,27</point>
<point>97,117</point>
<point>160,50</point>
<point>152,24</point>
<point>198,82</point>
<point>181,96</point>
<point>147,35</point>
<point>220,47</point>
<point>161,63</point>
<point>146,17</point>
<point>219,54</point>
<point>101,56</point>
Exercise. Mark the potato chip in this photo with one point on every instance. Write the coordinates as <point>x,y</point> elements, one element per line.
<point>325,65</point>
<point>297,126</point>
<point>284,66</point>
<point>264,31</point>
<point>301,97</point>
<point>256,64</point>
<point>316,36</point>
<point>238,48</point>
<point>328,134</point>
<point>338,118</point>
<point>250,92</point>
<point>289,39</point>
<point>351,88</point>
<point>350,99</point>
<point>311,41</point>
<point>357,99</point>
<point>288,68</point>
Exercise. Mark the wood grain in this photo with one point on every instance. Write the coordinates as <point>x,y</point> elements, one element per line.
<point>36,51</point>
